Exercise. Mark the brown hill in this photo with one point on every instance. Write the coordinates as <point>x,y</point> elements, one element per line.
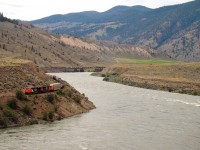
<point>50,50</point>
<point>17,109</point>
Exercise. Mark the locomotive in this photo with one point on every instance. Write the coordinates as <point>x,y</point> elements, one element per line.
<point>45,89</point>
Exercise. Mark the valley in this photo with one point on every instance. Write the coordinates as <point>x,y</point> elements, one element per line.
<point>135,46</point>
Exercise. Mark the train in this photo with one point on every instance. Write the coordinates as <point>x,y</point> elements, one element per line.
<point>45,89</point>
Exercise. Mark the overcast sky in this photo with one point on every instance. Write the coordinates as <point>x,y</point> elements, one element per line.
<point>36,9</point>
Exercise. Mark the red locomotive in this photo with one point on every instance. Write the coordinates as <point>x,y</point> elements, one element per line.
<point>44,89</point>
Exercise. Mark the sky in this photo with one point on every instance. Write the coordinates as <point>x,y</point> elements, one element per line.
<point>36,9</point>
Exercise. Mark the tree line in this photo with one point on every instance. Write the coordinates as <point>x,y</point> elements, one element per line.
<point>4,19</point>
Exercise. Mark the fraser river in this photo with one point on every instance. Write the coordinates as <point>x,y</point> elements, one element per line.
<point>126,118</point>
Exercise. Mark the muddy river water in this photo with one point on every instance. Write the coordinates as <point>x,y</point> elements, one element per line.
<point>126,118</point>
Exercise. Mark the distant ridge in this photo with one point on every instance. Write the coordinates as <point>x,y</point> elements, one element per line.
<point>171,29</point>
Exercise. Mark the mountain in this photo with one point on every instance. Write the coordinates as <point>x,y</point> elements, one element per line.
<point>24,41</point>
<point>91,16</point>
<point>174,30</point>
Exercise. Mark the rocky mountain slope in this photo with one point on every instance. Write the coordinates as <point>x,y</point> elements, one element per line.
<point>171,29</point>
<point>50,50</point>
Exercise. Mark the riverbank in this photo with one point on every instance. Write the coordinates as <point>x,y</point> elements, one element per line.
<point>18,109</point>
<point>159,75</point>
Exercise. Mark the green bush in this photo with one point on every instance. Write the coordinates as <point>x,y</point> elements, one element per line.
<point>3,121</point>
<point>69,93</point>
<point>20,95</point>
<point>12,104</point>
<point>103,75</point>
<point>76,97</point>
<point>106,79</point>
<point>60,92</point>
<point>48,115</point>
<point>51,98</point>
<point>114,74</point>
<point>194,93</point>
<point>170,89</point>
<point>27,110</point>
<point>51,115</point>
<point>10,115</point>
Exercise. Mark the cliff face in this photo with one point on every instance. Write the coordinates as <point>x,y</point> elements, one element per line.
<point>17,109</point>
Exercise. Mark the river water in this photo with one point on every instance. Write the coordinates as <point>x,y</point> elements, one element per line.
<point>126,118</point>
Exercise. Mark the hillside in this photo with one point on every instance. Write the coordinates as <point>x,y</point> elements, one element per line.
<point>17,109</point>
<point>50,50</point>
<point>171,29</point>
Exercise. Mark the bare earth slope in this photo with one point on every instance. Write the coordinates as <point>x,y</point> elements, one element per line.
<point>17,109</point>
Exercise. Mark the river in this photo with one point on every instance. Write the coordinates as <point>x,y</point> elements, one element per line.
<point>126,118</point>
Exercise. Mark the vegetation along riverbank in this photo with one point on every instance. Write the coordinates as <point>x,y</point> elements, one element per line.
<point>172,76</point>
<point>18,109</point>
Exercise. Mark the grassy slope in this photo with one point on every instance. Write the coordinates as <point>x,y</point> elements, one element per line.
<point>144,61</point>
<point>29,109</point>
<point>50,50</point>
<point>156,74</point>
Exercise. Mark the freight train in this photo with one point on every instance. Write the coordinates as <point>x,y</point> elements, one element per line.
<point>45,89</point>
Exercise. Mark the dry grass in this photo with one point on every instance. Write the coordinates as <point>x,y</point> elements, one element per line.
<point>177,77</point>
<point>184,72</point>
<point>9,61</point>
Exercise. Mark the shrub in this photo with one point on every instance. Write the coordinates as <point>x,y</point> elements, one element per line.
<point>60,92</point>
<point>103,75</point>
<point>12,104</point>
<point>56,107</point>
<point>195,93</point>
<point>3,121</point>
<point>170,89</point>
<point>20,95</point>
<point>56,97</point>
<point>114,74</point>
<point>106,79</point>
<point>51,115</point>
<point>10,115</point>
<point>76,97</point>
<point>69,93</point>
<point>48,115</point>
<point>51,98</point>
<point>27,110</point>
<point>34,121</point>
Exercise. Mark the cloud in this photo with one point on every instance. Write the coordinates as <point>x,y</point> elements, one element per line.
<point>35,9</point>
<point>11,5</point>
